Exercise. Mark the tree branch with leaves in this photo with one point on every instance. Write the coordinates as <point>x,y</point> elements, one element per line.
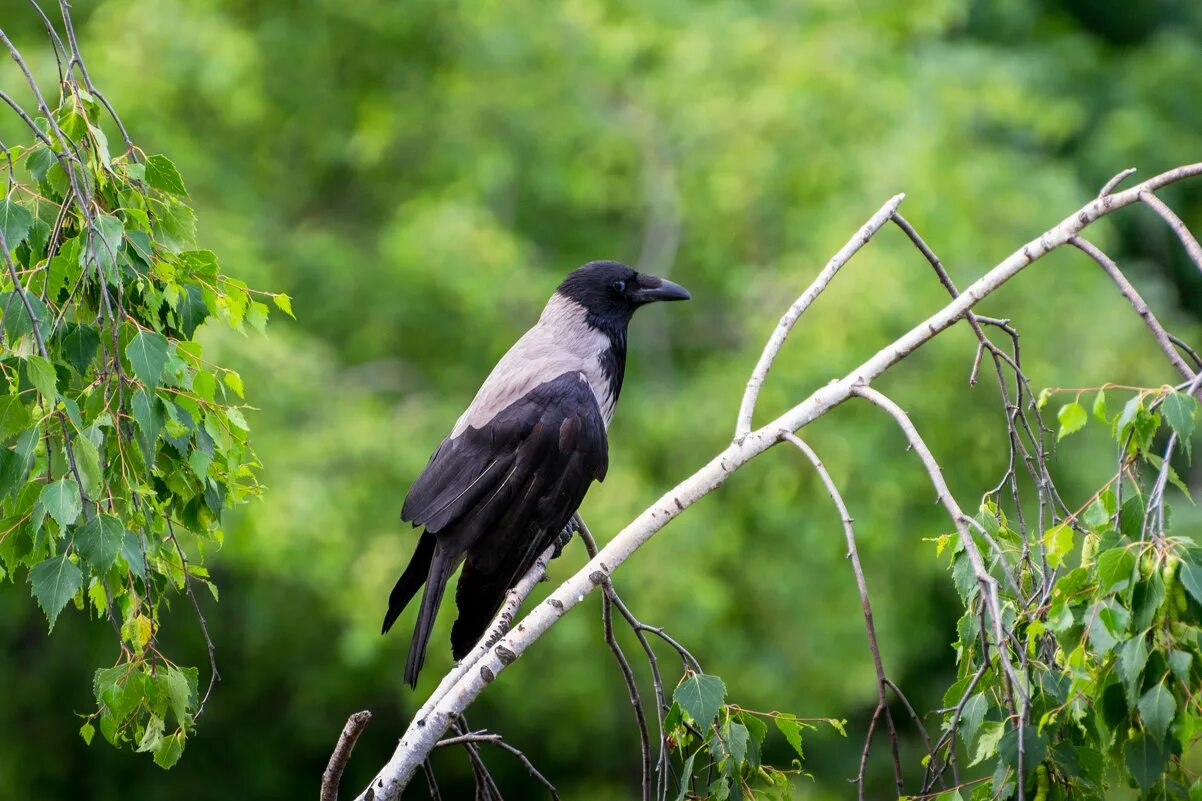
<point>121,445</point>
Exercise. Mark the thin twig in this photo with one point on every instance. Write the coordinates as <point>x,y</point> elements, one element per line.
<point>853,556</point>
<point>1137,302</point>
<point>332,776</point>
<point>1192,248</point>
<point>632,687</point>
<point>785,326</point>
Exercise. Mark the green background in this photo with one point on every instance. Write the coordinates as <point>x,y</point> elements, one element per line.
<point>420,175</point>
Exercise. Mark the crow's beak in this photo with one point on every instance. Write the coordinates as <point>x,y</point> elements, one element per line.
<point>662,290</point>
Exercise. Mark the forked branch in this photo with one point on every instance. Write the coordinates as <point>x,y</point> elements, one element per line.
<point>491,658</point>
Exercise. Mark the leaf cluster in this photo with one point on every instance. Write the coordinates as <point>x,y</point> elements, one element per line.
<point>1109,662</point>
<point>721,744</point>
<point>120,444</point>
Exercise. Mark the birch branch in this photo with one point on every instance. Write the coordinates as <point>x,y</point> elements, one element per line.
<point>790,318</point>
<point>474,676</point>
<point>1169,216</point>
<point>853,554</point>
<point>1137,302</point>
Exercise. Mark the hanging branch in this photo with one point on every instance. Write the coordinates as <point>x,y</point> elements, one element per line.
<point>882,680</point>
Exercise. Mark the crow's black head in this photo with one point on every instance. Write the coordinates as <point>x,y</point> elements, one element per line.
<point>611,291</point>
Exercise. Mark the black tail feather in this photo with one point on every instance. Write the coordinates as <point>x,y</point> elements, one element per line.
<point>479,598</point>
<point>441,567</point>
<point>410,581</point>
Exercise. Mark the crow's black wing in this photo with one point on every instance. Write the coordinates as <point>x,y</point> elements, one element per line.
<point>553,431</point>
<point>550,467</point>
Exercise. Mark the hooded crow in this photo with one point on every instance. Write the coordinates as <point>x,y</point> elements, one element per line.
<point>514,469</point>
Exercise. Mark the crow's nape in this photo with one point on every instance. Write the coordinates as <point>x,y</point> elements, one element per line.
<point>410,581</point>
<point>442,564</point>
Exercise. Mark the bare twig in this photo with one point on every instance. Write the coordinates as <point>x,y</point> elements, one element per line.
<point>330,780</point>
<point>1192,248</point>
<point>431,782</point>
<point>632,687</point>
<point>471,738</point>
<point>790,318</point>
<point>853,555</point>
<point>987,582</point>
<point>1137,303</point>
<point>214,676</point>
<point>1114,182</point>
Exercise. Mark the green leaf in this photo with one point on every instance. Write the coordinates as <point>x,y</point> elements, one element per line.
<point>284,303</point>
<point>147,354</point>
<point>79,345</point>
<point>15,464</point>
<point>971,718</point>
<point>99,541</point>
<point>14,416</point>
<point>192,310</point>
<point>1178,409</point>
<point>131,550</point>
<point>234,382</point>
<point>1147,599</point>
<point>1115,568</point>
<point>1035,747</point>
<point>181,694</point>
<point>1130,409</point>
<point>55,581</point>
<point>987,743</point>
<point>162,174</point>
<point>169,750</point>
<point>1190,576</point>
<point>791,729</point>
<point>38,162</point>
<point>64,268</point>
<point>1072,418</point>
<point>1146,759</point>
<point>15,222</point>
<point>733,742</point>
<point>1156,709</point>
<point>152,737</point>
<point>148,414</point>
<point>1060,618</point>
<point>61,500</point>
<point>16,317</point>
<point>701,696</point>
<point>1058,542</point>
<point>87,460</point>
<point>87,731</point>
<point>686,775</point>
<point>101,246</point>
<point>1099,406</point>
<point>1132,659</point>
<point>1179,663</point>
<point>39,235</point>
<point>42,376</point>
<point>757,728</point>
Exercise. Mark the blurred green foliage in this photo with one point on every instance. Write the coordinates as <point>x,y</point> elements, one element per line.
<point>418,176</point>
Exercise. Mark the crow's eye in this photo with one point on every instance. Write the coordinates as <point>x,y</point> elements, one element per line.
<point>619,286</point>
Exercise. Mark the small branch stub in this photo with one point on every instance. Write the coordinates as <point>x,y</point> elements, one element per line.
<point>330,780</point>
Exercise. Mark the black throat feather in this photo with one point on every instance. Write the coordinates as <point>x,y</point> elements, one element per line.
<point>613,360</point>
